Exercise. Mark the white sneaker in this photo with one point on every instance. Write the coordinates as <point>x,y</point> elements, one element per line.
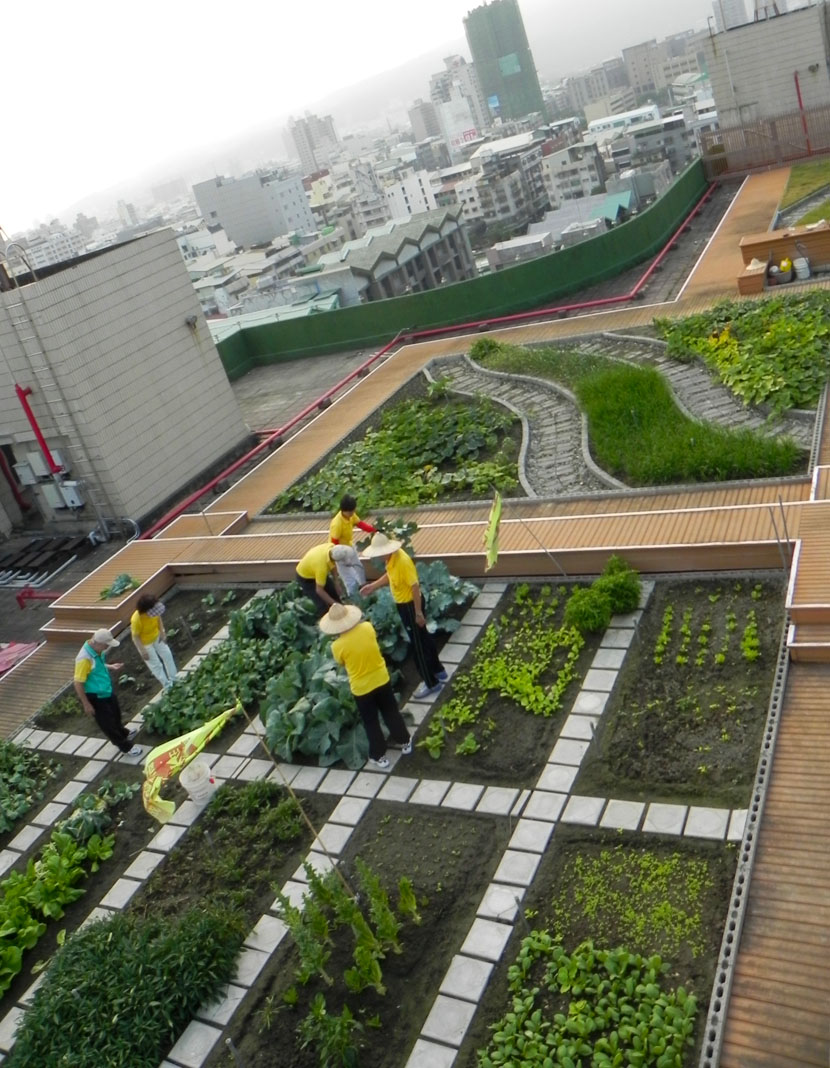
<point>135,752</point>
<point>406,748</point>
<point>383,762</point>
<point>425,691</point>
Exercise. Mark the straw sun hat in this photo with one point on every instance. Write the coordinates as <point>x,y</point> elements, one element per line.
<point>340,618</point>
<point>381,546</point>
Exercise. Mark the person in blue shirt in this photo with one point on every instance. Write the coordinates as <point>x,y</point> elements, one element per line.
<point>93,686</point>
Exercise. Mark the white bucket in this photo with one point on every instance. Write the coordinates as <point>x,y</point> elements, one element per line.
<point>801,266</point>
<point>196,778</point>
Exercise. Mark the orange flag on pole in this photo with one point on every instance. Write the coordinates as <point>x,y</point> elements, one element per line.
<point>168,759</point>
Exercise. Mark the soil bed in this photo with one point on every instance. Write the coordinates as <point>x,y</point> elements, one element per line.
<point>191,619</point>
<point>686,718</point>
<point>63,770</point>
<point>449,857</point>
<point>236,853</point>
<point>513,743</point>
<point>682,920</point>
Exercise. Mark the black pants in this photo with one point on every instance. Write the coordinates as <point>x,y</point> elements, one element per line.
<point>423,646</point>
<point>309,588</point>
<point>108,717</point>
<point>370,705</point>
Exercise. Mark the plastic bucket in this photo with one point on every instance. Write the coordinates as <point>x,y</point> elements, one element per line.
<point>801,266</point>
<point>196,778</point>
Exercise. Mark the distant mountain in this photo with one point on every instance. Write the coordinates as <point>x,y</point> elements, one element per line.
<point>391,93</point>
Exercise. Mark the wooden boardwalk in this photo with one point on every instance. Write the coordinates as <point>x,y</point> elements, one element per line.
<point>778,1014</point>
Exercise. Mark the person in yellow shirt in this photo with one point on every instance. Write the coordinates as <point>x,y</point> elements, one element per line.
<point>356,648</point>
<point>341,532</point>
<point>314,574</point>
<point>401,577</point>
<point>150,640</point>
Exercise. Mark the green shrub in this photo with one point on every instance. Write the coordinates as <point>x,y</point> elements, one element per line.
<point>123,989</point>
<point>622,585</point>
<point>588,610</point>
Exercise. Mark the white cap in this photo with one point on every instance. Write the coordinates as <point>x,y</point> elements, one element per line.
<point>103,637</point>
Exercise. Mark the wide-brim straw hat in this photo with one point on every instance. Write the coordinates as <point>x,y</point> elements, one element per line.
<point>380,545</point>
<point>340,618</point>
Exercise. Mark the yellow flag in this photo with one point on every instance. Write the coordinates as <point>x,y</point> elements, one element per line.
<point>168,759</point>
<point>491,534</point>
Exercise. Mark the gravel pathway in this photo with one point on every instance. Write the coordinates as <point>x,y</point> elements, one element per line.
<point>555,457</point>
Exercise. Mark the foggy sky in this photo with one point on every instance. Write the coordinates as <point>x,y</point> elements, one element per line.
<point>100,94</point>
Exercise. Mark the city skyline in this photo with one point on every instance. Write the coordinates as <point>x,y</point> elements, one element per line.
<point>103,97</point>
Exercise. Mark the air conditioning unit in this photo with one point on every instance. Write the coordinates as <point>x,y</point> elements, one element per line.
<point>72,494</point>
<point>25,474</point>
<point>38,464</point>
<point>52,496</point>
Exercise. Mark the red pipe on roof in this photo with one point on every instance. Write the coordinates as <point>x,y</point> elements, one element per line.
<point>22,395</point>
<point>22,503</point>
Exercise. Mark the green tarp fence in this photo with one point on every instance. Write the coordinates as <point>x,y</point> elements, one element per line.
<point>524,287</point>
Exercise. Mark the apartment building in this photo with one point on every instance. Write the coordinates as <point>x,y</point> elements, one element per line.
<point>122,380</point>
<point>459,78</point>
<point>255,208</point>
<point>56,247</point>
<point>573,172</point>
<point>403,256</point>
<point>315,140</point>
<point>423,120</point>
<point>408,192</point>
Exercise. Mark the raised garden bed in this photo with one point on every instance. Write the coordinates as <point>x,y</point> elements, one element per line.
<point>498,717</point>
<point>448,857</point>
<point>192,617</point>
<point>685,720</point>
<point>250,838</point>
<point>465,447</point>
<point>645,894</point>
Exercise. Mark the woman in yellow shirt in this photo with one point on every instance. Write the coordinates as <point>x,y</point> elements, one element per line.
<point>356,648</point>
<point>402,579</point>
<point>341,532</point>
<point>148,636</point>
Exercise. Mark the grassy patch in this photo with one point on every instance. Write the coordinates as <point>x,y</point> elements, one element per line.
<point>637,431</point>
<point>806,178</point>
<point>816,215</point>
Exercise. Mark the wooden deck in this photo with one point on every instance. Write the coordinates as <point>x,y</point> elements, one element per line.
<point>778,1010</point>
<point>778,1014</point>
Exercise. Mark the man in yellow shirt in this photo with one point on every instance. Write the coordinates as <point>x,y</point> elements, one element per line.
<point>402,579</point>
<point>341,532</point>
<point>314,574</point>
<point>150,640</point>
<point>356,648</point>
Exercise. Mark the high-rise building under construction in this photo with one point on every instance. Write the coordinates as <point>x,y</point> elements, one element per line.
<point>503,61</point>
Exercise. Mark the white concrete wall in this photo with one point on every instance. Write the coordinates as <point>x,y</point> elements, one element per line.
<point>751,67</point>
<point>137,401</point>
